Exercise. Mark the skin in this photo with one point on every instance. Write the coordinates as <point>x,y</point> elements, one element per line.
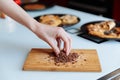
<point>52,35</point>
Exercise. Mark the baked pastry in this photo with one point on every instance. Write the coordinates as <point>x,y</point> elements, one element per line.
<point>116,30</point>
<point>106,29</point>
<point>51,20</point>
<point>107,25</point>
<point>69,19</point>
<point>34,6</point>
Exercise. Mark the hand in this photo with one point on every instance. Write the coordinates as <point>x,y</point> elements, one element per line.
<point>53,36</point>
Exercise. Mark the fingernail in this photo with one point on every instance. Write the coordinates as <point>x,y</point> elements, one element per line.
<point>64,50</point>
<point>67,53</point>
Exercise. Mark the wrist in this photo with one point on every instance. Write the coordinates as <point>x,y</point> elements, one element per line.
<point>31,25</point>
<point>35,26</point>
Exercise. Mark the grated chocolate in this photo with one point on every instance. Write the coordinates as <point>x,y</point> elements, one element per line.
<point>63,58</point>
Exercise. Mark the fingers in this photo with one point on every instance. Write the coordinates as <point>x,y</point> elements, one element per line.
<point>59,43</point>
<point>70,41</point>
<point>54,36</point>
<point>67,45</point>
<point>56,49</point>
<point>67,41</point>
<point>56,42</point>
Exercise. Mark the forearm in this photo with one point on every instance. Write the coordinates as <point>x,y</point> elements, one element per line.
<point>52,35</point>
<point>10,8</point>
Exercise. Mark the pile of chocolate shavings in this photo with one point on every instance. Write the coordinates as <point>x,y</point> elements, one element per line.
<point>63,58</point>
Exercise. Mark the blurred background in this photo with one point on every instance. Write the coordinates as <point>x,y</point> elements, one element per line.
<point>106,8</point>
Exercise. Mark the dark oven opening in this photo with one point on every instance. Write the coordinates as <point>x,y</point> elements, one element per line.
<point>99,7</point>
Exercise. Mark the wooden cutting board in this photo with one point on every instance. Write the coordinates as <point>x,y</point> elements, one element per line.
<point>39,59</point>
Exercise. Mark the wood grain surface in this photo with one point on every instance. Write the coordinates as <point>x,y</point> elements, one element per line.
<point>39,60</point>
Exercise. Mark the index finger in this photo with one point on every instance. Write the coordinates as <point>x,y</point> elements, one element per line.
<point>67,42</point>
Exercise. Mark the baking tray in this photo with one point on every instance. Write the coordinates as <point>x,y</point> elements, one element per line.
<point>85,31</point>
<point>47,6</point>
<point>61,25</point>
<point>92,38</point>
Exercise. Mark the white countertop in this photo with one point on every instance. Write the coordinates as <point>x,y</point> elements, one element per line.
<point>16,41</point>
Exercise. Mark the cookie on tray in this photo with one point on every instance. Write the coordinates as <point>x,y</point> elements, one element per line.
<point>69,19</point>
<point>52,20</point>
